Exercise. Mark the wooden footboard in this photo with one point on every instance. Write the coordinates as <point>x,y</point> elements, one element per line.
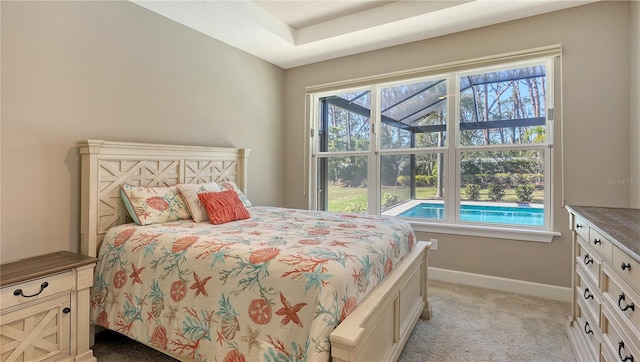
<point>379,327</point>
<point>382,323</point>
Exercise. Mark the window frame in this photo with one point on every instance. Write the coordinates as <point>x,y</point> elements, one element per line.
<point>452,149</point>
<point>547,146</point>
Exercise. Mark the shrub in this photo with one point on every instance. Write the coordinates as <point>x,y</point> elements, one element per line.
<point>472,191</point>
<point>495,192</point>
<point>389,199</point>
<point>432,180</point>
<point>524,193</point>
<point>356,208</point>
<point>424,180</point>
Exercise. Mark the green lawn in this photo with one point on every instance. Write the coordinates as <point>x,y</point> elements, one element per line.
<point>341,198</point>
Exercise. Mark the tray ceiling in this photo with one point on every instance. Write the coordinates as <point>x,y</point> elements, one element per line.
<point>295,33</point>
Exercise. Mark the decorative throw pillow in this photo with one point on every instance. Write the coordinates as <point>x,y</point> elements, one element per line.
<point>190,193</point>
<point>129,207</point>
<point>152,205</point>
<point>229,185</point>
<point>223,206</point>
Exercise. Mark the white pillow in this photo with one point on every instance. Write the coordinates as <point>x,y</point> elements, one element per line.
<point>229,185</point>
<point>190,193</point>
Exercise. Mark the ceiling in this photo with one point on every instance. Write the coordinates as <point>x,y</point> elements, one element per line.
<point>294,33</point>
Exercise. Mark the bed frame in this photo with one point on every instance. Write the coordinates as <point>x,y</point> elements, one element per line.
<point>376,330</point>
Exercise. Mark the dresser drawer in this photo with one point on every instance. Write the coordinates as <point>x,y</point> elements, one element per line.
<point>589,260</point>
<point>623,301</point>
<point>588,295</point>
<point>580,227</point>
<point>589,330</point>
<point>601,245</point>
<point>616,342</point>
<point>35,289</point>
<point>627,268</point>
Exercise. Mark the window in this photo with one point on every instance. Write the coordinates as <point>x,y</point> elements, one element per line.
<point>344,136</point>
<point>468,149</point>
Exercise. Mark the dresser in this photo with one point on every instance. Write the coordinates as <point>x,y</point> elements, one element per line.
<point>44,308</point>
<point>605,317</point>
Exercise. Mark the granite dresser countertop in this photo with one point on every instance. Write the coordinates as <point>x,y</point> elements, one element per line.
<point>620,226</point>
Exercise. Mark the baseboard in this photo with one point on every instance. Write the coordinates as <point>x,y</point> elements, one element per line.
<point>547,291</point>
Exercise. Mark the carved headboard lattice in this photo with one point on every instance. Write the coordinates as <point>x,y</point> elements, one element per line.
<point>106,165</point>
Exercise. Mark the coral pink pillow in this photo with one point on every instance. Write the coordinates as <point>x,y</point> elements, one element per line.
<point>223,206</point>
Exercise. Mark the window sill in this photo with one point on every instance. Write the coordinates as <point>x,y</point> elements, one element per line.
<point>542,236</point>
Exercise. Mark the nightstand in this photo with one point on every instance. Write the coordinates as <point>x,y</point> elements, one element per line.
<point>44,308</point>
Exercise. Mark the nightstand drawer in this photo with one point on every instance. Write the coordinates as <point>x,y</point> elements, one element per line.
<point>36,289</point>
<point>40,332</point>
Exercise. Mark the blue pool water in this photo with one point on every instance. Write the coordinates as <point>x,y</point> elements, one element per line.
<point>482,213</point>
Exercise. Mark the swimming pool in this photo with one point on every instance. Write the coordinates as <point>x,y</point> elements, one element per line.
<point>514,215</point>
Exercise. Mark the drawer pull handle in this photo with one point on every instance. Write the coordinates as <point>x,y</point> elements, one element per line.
<point>20,292</point>
<point>579,226</point>
<point>587,259</point>
<point>587,294</point>
<point>597,241</point>
<point>587,331</point>
<point>626,266</point>
<point>625,358</point>
<point>628,306</point>
<point>66,310</point>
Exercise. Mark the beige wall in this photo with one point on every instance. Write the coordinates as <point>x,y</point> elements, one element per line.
<point>115,71</point>
<point>595,118</point>
<point>634,134</point>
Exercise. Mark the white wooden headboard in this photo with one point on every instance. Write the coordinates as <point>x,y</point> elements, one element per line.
<point>106,165</point>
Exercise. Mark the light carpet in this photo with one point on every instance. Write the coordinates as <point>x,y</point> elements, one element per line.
<point>476,324</point>
<point>468,324</point>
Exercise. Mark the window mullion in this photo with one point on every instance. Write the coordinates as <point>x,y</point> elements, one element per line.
<point>548,153</point>
<point>373,185</point>
<point>548,187</point>
<point>452,196</point>
<point>312,148</point>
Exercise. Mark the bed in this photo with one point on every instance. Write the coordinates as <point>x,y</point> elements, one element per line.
<point>284,284</point>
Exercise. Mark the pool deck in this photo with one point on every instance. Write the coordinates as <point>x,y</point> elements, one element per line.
<point>399,209</point>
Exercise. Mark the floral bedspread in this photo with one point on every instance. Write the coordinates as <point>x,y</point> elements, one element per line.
<point>269,288</point>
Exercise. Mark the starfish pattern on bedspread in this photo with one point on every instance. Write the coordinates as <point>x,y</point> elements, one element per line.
<point>272,287</point>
